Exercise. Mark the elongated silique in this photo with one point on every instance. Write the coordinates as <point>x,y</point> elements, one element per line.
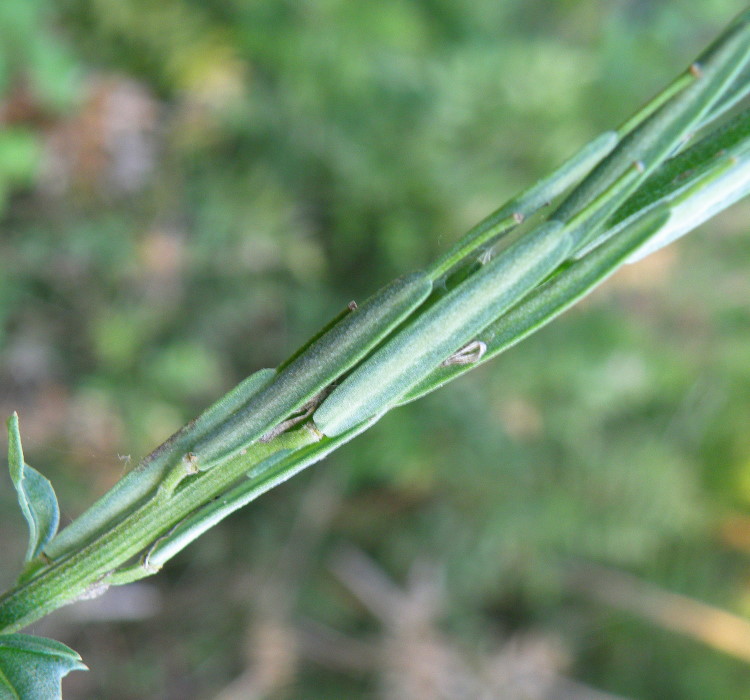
<point>324,361</point>
<point>550,299</point>
<point>254,406</point>
<point>441,330</point>
<point>393,348</point>
<point>667,128</point>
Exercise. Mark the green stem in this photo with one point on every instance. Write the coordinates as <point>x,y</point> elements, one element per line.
<point>402,339</point>
<point>280,467</point>
<point>83,573</point>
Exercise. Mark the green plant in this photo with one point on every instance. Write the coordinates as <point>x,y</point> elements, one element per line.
<point>629,191</point>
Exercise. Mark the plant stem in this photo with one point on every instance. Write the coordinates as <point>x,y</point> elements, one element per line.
<point>394,347</point>
<point>83,573</point>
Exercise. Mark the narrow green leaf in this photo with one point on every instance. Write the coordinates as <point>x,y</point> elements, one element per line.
<point>696,184</point>
<point>31,668</point>
<point>715,190</point>
<point>442,329</point>
<point>678,172</point>
<point>36,497</point>
<point>737,92</point>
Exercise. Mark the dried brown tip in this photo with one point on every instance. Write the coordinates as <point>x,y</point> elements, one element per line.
<point>191,463</point>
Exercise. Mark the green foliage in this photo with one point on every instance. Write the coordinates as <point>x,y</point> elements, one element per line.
<point>308,152</point>
<point>36,497</point>
<point>311,371</point>
<point>32,667</point>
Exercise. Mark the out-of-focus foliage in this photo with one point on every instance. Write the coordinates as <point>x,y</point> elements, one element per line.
<point>191,188</point>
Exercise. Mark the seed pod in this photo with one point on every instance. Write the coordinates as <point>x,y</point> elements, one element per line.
<point>324,361</point>
<point>442,329</point>
<point>664,130</point>
<point>531,200</point>
<point>552,298</point>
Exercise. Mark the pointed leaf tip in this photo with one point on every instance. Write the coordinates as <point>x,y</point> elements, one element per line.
<point>33,667</point>
<point>35,494</point>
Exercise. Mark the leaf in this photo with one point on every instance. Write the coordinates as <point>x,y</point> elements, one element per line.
<point>35,494</point>
<point>31,668</point>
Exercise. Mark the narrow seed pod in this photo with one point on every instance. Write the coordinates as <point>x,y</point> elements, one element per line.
<point>442,329</point>
<point>657,137</point>
<point>520,208</point>
<point>715,169</point>
<point>139,483</point>
<point>588,222</point>
<point>352,306</point>
<point>553,297</point>
<point>330,356</point>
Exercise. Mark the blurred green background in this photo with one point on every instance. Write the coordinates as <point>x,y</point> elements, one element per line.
<point>189,189</point>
